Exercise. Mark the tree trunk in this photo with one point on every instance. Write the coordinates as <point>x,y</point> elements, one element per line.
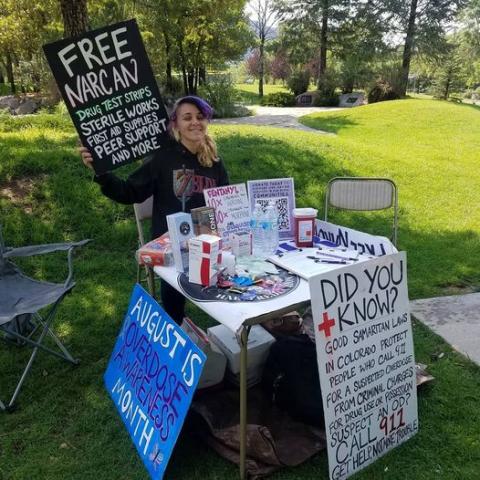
<point>75,18</point>
<point>168,73</point>
<point>448,84</point>
<point>202,75</point>
<point>191,90</point>
<point>185,80</point>
<point>196,77</point>
<point>168,68</point>
<point>9,69</point>
<point>348,87</point>
<point>261,72</point>
<point>183,65</point>
<point>322,64</point>
<point>322,61</point>
<point>408,47</point>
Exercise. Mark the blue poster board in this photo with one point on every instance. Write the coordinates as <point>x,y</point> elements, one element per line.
<point>151,377</point>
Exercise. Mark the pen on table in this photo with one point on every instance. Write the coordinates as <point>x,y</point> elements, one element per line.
<point>319,260</point>
<point>331,255</point>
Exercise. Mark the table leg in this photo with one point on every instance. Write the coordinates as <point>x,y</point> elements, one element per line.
<point>243,401</point>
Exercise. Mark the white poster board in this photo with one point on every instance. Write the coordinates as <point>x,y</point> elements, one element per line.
<point>345,237</point>
<point>232,211</point>
<point>302,263</point>
<point>365,360</point>
<point>282,192</point>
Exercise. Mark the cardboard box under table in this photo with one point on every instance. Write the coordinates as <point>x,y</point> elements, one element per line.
<point>258,346</point>
<point>239,317</point>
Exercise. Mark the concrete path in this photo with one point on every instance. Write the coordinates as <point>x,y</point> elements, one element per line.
<point>455,318</point>
<point>282,117</point>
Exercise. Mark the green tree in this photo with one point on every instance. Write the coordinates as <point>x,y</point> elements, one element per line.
<point>423,24</point>
<point>360,42</point>
<point>449,77</point>
<point>469,43</point>
<point>197,34</point>
<point>321,18</point>
<point>263,22</point>
<point>24,26</point>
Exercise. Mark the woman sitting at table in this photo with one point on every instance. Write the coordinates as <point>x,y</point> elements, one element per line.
<point>176,177</point>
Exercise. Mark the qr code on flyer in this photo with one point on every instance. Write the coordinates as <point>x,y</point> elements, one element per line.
<point>283,209</point>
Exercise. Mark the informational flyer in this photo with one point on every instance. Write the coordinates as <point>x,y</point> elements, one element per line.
<point>282,192</point>
<point>151,377</point>
<point>232,211</point>
<point>366,363</point>
<point>108,86</point>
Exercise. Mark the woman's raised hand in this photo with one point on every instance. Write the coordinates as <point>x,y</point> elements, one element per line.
<point>86,156</point>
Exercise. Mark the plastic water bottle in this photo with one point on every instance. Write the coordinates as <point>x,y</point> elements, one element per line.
<point>271,221</point>
<point>256,224</point>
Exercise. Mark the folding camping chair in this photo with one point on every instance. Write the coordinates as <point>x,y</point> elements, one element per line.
<point>363,194</point>
<point>22,298</point>
<point>143,211</point>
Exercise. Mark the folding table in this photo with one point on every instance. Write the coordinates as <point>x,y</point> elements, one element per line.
<point>239,317</point>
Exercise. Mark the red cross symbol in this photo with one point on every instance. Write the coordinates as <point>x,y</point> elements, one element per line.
<point>327,324</point>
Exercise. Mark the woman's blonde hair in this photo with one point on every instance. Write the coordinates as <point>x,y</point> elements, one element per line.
<point>207,153</point>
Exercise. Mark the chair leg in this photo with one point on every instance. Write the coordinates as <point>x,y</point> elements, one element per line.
<point>23,377</point>
<point>33,355</point>
<point>60,345</point>
<point>151,281</point>
<point>37,345</point>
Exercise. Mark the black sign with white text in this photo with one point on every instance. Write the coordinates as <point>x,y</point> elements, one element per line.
<point>107,83</point>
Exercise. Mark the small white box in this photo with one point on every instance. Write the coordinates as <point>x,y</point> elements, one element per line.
<point>241,244</point>
<point>259,342</point>
<point>216,363</point>
<point>203,259</point>
<point>180,230</point>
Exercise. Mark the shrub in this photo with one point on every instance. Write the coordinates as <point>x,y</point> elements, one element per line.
<point>382,91</point>
<point>455,98</point>
<point>221,94</point>
<point>279,99</point>
<point>299,82</point>
<point>327,84</point>
<point>174,91</point>
<point>327,101</point>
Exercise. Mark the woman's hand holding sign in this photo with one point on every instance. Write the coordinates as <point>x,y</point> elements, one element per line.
<point>87,158</point>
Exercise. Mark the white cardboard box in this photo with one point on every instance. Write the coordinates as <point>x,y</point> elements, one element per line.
<point>180,230</point>
<point>214,368</point>
<point>241,244</point>
<point>203,259</point>
<point>259,342</point>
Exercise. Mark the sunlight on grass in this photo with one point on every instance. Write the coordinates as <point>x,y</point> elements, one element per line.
<point>431,150</point>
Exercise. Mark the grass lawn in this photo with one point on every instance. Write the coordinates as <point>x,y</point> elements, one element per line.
<point>66,426</point>
<point>248,92</point>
